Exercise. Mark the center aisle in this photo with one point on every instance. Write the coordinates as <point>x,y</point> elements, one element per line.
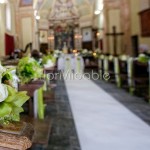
<point>102,122</point>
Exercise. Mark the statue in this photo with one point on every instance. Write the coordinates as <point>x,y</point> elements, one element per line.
<point>65,49</point>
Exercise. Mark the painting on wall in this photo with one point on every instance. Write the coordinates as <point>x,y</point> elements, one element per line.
<point>87,34</point>
<point>26,3</point>
<point>64,37</point>
<point>43,36</point>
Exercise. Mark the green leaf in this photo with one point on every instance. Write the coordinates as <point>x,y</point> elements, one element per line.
<point>11,90</point>
<point>17,110</point>
<point>21,98</point>
<point>6,76</point>
<point>5,109</point>
<point>10,98</point>
<point>15,117</point>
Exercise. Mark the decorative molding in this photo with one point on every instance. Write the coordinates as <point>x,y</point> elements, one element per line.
<point>24,3</point>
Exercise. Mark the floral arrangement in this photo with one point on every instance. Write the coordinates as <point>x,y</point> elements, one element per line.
<point>143,58</point>
<point>48,61</point>
<point>11,101</point>
<point>97,53</point>
<point>28,69</point>
<point>110,58</point>
<point>57,53</point>
<point>123,57</point>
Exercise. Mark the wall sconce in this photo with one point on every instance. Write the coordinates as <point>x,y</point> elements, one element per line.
<point>97,34</point>
<point>78,36</point>
<point>51,38</point>
<point>36,14</point>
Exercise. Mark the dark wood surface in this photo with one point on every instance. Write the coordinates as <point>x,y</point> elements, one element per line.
<point>30,88</point>
<point>145,23</point>
<point>42,129</point>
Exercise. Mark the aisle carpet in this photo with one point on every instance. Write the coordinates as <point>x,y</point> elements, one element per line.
<point>102,122</point>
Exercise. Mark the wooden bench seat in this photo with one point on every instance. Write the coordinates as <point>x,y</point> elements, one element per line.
<point>140,78</point>
<point>123,73</point>
<point>30,88</point>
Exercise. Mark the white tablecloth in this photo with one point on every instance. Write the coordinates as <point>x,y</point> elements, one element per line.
<point>70,62</point>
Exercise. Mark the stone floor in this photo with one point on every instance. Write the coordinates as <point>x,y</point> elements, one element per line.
<point>63,135</point>
<point>137,105</point>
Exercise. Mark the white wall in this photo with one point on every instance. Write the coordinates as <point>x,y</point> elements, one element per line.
<point>26,25</point>
<point>114,20</point>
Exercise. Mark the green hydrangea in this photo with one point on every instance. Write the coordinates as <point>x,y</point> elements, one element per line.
<point>28,69</point>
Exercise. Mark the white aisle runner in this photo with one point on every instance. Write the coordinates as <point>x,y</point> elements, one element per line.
<point>103,123</point>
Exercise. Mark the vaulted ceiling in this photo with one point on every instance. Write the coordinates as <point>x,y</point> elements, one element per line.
<point>68,10</point>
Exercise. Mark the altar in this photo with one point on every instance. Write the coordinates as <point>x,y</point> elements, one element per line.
<point>70,63</point>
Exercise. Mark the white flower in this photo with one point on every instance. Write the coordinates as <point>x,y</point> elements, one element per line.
<point>49,64</point>
<point>2,69</point>
<point>110,57</point>
<point>3,92</point>
<point>84,51</point>
<point>123,57</point>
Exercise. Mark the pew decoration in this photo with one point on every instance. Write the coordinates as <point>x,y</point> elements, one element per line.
<point>11,103</point>
<point>123,57</point>
<point>86,52</point>
<point>97,53</point>
<point>143,58</point>
<point>8,76</point>
<point>68,65</point>
<point>11,106</point>
<point>11,100</point>
<point>130,73</point>
<point>78,65</point>
<point>57,53</point>
<point>48,61</point>
<point>28,69</point>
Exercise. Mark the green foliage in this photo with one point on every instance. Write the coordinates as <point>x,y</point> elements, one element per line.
<point>45,59</point>
<point>143,58</point>
<point>6,76</point>
<point>11,107</point>
<point>28,69</point>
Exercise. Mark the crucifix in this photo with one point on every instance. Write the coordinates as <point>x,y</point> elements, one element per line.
<point>114,34</point>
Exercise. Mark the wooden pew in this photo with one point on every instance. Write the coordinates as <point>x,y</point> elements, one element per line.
<point>123,73</point>
<point>30,88</point>
<point>42,127</point>
<point>91,63</point>
<point>109,67</point>
<point>140,78</point>
<point>12,62</point>
<point>101,66</point>
<point>48,94</point>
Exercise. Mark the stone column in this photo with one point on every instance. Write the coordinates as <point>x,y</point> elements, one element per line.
<point>2,29</point>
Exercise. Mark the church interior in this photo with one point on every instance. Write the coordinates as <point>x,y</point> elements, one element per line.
<point>75,74</point>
